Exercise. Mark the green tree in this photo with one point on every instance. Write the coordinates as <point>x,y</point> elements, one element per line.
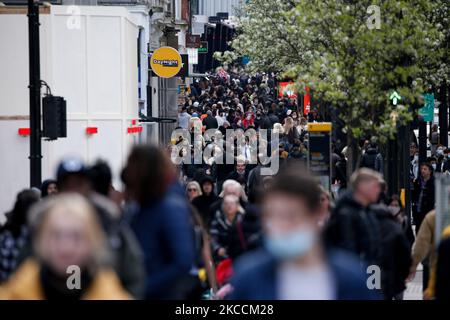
<point>333,47</point>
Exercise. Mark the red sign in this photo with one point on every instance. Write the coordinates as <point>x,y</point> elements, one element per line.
<point>24,131</point>
<point>91,130</point>
<point>134,129</point>
<point>287,88</point>
<point>306,102</point>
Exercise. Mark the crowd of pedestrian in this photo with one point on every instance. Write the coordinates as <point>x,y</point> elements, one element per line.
<point>219,230</point>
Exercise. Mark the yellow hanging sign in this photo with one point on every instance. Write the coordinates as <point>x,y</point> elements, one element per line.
<point>166,62</point>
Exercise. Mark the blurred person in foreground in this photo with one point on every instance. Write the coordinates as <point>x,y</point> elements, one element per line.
<point>67,238</point>
<point>425,250</point>
<point>94,183</point>
<point>162,222</point>
<point>352,226</point>
<point>295,265</point>
<point>101,176</point>
<point>442,274</point>
<point>14,235</point>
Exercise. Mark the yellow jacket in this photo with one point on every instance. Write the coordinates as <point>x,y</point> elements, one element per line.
<point>25,284</point>
<point>424,243</point>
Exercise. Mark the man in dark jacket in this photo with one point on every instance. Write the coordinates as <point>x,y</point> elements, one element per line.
<point>423,194</point>
<point>295,265</point>
<point>240,174</point>
<point>265,122</point>
<point>272,117</point>
<point>352,226</point>
<point>395,253</point>
<point>210,122</point>
<point>372,159</point>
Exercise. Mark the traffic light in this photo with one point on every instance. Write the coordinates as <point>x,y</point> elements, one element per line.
<point>54,117</point>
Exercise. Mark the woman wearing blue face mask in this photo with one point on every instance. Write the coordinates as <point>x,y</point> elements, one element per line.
<point>295,265</point>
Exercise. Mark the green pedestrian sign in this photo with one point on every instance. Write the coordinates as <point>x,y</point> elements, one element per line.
<point>427,112</point>
<point>203,47</point>
<point>395,97</point>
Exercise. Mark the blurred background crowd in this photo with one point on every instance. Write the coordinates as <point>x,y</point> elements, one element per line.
<point>214,230</point>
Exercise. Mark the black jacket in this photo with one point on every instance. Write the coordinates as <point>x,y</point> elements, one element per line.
<point>428,197</point>
<point>273,119</point>
<point>210,123</point>
<point>352,227</point>
<point>446,166</point>
<point>395,252</point>
<point>228,236</point>
<point>369,159</point>
<point>202,204</point>
<point>442,272</point>
<point>265,122</point>
<point>241,178</point>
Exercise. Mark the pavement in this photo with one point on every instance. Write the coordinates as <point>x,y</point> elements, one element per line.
<point>414,288</point>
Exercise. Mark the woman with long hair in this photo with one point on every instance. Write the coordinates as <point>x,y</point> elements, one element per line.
<point>70,261</point>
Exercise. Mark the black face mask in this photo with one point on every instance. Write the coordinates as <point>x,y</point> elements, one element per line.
<point>55,285</point>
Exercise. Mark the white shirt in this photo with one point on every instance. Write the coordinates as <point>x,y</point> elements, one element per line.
<point>246,152</point>
<point>315,283</point>
<point>220,120</point>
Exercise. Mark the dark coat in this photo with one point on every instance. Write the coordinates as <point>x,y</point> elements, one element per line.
<point>164,232</point>
<point>442,272</point>
<point>372,159</point>
<point>256,277</point>
<point>273,119</point>
<point>428,200</point>
<point>265,122</point>
<point>395,253</point>
<point>351,227</point>
<point>241,178</point>
<point>210,123</point>
<point>228,236</point>
<point>203,203</point>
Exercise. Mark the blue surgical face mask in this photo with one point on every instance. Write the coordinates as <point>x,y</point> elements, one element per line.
<point>290,245</point>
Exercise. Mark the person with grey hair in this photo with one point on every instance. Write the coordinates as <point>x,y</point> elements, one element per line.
<point>209,121</point>
<point>193,190</point>
<point>227,231</point>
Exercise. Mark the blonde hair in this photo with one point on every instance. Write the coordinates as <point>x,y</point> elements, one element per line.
<point>364,175</point>
<point>278,127</point>
<point>288,123</point>
<point>229,183</point>
<point>235,199</point>
<point>77,207</point>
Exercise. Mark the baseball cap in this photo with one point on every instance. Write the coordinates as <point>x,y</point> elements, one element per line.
<point>70,166</point>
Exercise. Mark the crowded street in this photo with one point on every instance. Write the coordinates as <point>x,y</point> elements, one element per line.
<point>224,150</point>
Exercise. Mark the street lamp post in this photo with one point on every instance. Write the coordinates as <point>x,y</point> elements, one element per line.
<point>35,94</point>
